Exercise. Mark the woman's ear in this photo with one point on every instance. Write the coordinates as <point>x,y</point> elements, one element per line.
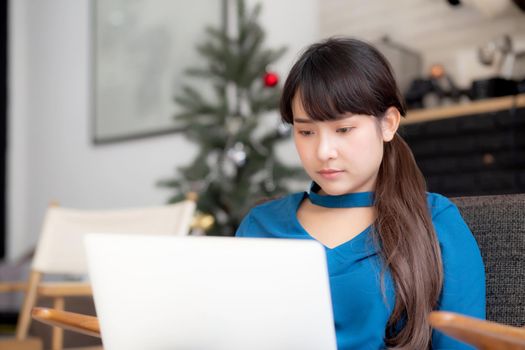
<point>390,123</point>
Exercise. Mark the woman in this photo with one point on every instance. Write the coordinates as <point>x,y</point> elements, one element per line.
<point>394,251</point>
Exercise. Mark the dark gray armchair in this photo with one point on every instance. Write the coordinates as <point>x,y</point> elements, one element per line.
<point>498,223</point>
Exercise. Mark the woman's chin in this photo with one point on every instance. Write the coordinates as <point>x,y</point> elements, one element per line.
<point>337,189</point>
<point>333,189</point>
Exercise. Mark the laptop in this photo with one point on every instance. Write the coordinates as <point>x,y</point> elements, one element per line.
<point>158,292</point>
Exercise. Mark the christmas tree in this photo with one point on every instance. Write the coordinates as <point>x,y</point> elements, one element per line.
<point>236,165</point>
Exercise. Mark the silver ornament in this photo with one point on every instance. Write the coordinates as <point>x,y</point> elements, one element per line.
<point>237,154</point>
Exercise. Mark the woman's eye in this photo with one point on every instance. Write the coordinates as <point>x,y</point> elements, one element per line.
<point>344,130</point>
<point>305,132</point>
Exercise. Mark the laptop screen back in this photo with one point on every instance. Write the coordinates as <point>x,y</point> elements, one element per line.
<point>154,292</point>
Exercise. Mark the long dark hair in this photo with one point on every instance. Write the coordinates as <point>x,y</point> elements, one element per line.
<point>341,75</point>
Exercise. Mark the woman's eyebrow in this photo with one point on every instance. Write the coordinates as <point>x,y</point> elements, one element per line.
<point>302,120</point>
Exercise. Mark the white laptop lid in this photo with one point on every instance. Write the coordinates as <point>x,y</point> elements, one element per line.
<point>154,292</point>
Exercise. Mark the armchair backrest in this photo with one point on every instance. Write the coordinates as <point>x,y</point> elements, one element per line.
<point>498,224</point>
<point>60,248</point>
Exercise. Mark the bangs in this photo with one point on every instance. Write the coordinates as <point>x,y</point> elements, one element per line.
<point>327,91</point>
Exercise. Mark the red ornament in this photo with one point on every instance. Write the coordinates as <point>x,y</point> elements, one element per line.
<point>270,79</point>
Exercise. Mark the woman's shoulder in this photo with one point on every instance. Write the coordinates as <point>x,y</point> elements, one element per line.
<point>277,205</point>
<point>270,217</point>
<point>450,226</point>
<point>438,204</point>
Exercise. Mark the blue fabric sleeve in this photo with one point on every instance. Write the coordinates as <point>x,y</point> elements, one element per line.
<point>464,273</point>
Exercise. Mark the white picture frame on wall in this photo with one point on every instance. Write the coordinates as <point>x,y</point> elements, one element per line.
<point>141,49</point>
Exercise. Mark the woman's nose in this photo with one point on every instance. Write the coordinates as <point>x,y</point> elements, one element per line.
<point>326,149</point>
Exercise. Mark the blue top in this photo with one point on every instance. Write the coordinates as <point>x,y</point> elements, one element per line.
<point>360,311</point>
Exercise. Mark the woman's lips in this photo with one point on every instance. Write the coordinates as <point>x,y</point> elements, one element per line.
<point>330,174</point>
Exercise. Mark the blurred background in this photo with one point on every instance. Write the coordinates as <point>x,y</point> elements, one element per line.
<point>91,90</point>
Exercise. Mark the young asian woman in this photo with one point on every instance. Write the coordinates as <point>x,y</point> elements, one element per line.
<point>395,252</point>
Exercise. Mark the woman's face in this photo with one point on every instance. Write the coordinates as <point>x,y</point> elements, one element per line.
<point>341,156</point>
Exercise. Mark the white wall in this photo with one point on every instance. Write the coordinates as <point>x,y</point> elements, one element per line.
<point>51,156</point>
<point>17,128</point>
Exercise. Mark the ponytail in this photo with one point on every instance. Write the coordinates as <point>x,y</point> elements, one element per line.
<point>409,246</point>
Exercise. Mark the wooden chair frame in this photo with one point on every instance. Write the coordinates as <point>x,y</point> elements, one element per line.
<point>484,335</point>
<point>79,323</point>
